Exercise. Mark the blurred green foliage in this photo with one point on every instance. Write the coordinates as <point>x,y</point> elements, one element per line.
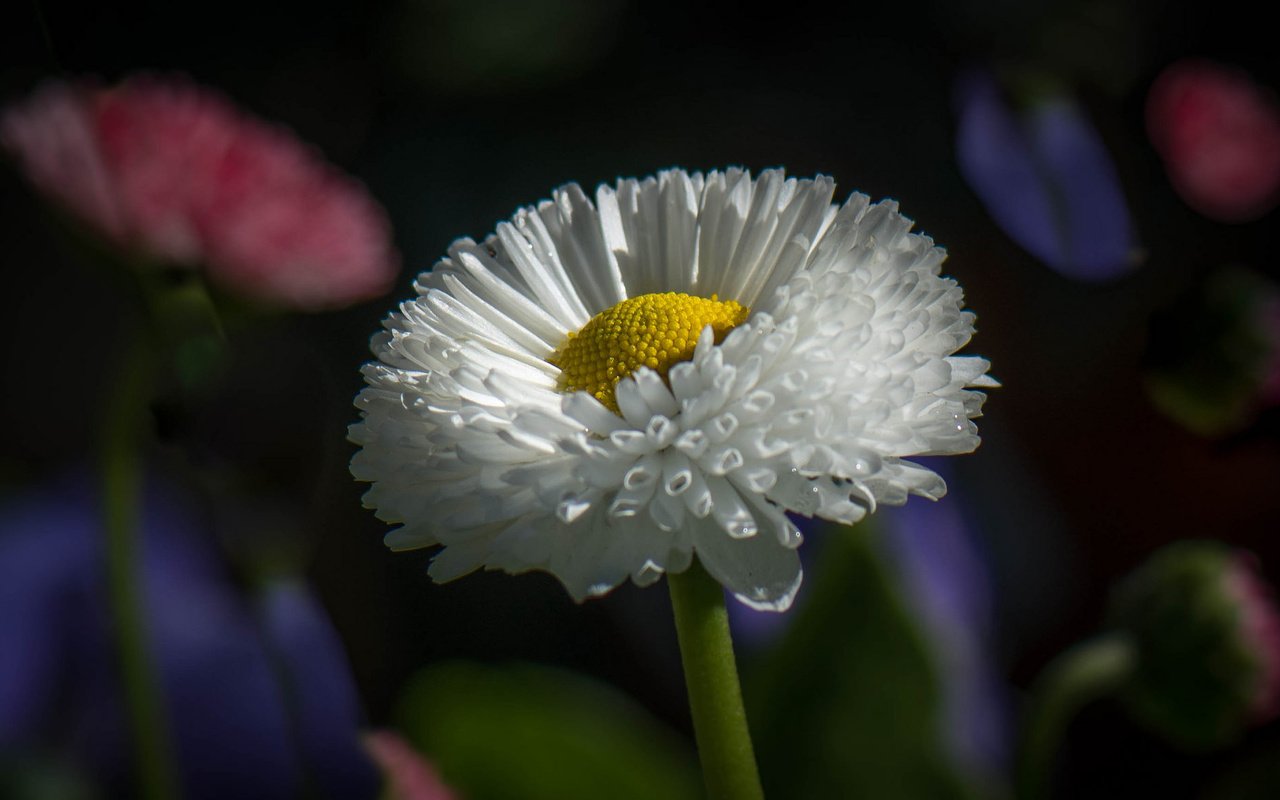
<point>1209,352</point>
<point>848,705</point>
<point>43,777</point>
<point>537,733</point>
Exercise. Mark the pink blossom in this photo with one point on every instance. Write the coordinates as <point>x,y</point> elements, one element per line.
<point>1260,632</point>
<point>54,135</point>
<point>409,776</point>
<point>177,174</point>
<point>1219,136</point>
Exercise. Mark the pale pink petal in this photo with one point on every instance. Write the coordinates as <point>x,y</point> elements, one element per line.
<point>1260,632</point>
<point>159,142</point>
<point>409,776</point>
<point>284,222</point>
<point>54,139</point>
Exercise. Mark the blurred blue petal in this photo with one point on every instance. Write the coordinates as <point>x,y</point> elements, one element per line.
<point>234,732</point>
<point>945,583</point>
<point>34,610</point>
<point>1046,178</point>
<point>320,689</point>
<point>229,720</point>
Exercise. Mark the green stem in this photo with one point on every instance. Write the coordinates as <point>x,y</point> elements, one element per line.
<point>43,25</point>
<point>1079,676</point>
<point>715,698</point>
<point>121,483</point>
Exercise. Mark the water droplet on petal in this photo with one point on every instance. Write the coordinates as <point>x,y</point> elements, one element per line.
<point>571,508</point>
<point>742,529</point>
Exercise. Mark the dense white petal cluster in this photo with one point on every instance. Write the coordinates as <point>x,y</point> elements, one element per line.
<point>844,367</point>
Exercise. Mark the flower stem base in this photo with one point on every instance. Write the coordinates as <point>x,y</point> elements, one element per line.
<point>1079,676</point>
<point>121,483</point>
<point>715,697</point>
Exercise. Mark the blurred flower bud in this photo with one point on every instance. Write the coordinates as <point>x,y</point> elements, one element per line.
<point>1219,135</point>
<point>1206,636</point>
<point>1213,356</point>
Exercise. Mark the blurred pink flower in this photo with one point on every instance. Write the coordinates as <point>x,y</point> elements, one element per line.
<point>176,173</point>
<point>409,776</point>
<point>1260,630</point>
<point>1219,135</point>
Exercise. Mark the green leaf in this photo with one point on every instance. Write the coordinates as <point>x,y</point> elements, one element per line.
<point>848,705</point>
<point>531,732</point>
<point>28,776</point>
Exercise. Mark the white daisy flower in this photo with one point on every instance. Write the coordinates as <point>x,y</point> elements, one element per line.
<point>605,390</point>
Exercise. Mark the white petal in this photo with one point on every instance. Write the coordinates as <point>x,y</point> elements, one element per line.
<point>846,367</point>
<point>574,226</point>
<point>758,570</point>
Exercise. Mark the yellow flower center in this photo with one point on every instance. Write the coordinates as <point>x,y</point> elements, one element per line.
<point>652,330</point>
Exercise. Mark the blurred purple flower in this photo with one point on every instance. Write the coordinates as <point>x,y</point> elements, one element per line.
<point>945,583</point>
<point>1046,178</point>
<point>259,706</point>
<point>318,686</point>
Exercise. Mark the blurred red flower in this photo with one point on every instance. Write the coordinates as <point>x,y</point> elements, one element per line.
<point>176,173</point>
<point>1219,135</point>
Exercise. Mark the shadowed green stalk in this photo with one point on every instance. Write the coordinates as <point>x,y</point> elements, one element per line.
<point>126,415</point>
<point>715,697</point>
<point>1079,676</point>
<point>43,25</point>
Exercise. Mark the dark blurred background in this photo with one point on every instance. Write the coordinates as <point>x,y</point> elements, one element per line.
<point>454,113</point>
